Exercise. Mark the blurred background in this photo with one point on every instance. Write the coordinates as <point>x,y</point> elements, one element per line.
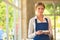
<point>15,16</point>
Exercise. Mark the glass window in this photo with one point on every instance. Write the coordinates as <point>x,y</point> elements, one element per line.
<point>57,9</point>
<point>57,27</point>
<point>2,19</point>
<point>10,1</point>
<point>9,24</point>
<point>49,9</point>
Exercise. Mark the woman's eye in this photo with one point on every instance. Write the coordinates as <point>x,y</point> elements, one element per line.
<point>38,8</point>
<point>42,8</point>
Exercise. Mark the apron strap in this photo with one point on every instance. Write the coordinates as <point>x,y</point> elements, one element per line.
<point>35,22</point>
<point>46,20</point>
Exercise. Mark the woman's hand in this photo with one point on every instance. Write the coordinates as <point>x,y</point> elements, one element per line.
<point>39,32</point>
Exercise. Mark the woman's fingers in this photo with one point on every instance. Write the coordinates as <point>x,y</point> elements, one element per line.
<point>39,32</point>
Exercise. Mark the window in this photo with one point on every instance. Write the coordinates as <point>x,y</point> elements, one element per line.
<point>10,15</point>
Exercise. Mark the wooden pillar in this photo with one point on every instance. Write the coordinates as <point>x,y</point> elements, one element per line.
<point>24,19</point>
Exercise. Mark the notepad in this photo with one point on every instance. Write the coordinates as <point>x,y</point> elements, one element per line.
<point>45,31</point>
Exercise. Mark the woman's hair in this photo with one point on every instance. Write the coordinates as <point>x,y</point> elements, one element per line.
<point>38,4</point>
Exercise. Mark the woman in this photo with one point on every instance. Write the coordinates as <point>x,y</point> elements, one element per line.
<point>40,25</point>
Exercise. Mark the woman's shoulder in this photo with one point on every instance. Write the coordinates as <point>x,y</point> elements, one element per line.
<point>47,18</point>
<point>33,19</point>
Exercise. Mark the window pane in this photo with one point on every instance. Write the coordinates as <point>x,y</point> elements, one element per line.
<point>13,25</point>
<point>11,1</point>
<point>49,9</point>
<point>11,20</point>
<point>14,3</point>
<point>57,9</point>
<point>57,27</point>
<point>2,20</point>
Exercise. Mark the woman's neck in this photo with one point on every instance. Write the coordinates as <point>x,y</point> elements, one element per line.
<point>40,18</point>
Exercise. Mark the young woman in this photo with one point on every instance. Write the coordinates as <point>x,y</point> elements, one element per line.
<point>40,25</point>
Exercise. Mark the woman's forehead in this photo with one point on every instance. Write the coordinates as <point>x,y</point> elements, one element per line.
<point>40,6</point>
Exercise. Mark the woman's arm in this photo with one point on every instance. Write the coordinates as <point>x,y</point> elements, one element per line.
<point>50,27</point>
<point>31,33</point>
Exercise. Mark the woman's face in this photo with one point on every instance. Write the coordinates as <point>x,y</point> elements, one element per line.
<point>40,10</point>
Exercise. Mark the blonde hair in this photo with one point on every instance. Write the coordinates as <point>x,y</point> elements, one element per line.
<point>38,4</point>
